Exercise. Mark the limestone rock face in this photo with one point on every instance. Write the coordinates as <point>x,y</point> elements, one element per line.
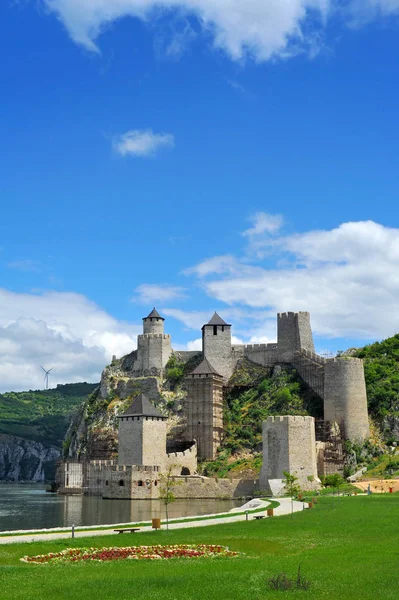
<point>93,433</point>
<point>24,460</point>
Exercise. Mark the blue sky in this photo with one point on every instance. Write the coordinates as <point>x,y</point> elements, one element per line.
<point>229,156</point>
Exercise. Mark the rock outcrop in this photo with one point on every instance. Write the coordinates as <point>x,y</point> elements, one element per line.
<point>24,460</point>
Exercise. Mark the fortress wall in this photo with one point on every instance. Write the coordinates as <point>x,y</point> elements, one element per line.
<point>185,355</point>
<point>289,444</point>
<point>345,398</point>
<point>186,460</point>
<point>134,482</point>
<point>262,354</point>
<point>209,487</point>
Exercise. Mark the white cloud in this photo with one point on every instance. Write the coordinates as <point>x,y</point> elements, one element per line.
<point>260,28</point>
<point>194,345</point>
<point>61,330</point>
<point>347,277</point>
<point>142,143</point>
<point>150,293</point>
<point>191,319</point>
<point>264,223</point>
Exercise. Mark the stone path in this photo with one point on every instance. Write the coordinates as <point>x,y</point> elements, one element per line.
<point>284,509</point>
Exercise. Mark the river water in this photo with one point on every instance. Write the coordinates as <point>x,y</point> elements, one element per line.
<point>25,506</point>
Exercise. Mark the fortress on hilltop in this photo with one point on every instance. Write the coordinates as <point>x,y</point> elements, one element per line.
<point>290,443</point>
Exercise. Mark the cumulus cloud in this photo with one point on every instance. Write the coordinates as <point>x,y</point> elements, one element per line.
<point>260,28</point>
<point>142,143</point>
<point>62,330</point>
<point>149,293</point>
<point>348,277</point>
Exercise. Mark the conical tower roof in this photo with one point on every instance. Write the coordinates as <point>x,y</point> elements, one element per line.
<point>154,314</point>
<point>217,320</point>
<point>142,407</point>
<point>205,368</point>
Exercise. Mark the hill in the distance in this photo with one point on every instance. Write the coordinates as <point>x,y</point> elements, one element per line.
<point>42,415</point>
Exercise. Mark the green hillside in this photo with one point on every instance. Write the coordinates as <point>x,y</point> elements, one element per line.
<point>381,368</point>
<point>42,415</point>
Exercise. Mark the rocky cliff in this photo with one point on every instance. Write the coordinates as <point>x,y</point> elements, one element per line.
<point>93,433</point>
<point>24,460</point>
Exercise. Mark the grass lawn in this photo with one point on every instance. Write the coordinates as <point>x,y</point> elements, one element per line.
<point>348,548</point>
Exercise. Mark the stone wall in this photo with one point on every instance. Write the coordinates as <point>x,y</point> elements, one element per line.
<point>153,352</point>
<point>216,344</point>
<point>345,398</point>
<point>133,482</point>
<point>293,333</point>
<point>209,487</point>
<point>142,441</point>
<point>289,444</point>
<point>183,463</point>
<point>204,404</point>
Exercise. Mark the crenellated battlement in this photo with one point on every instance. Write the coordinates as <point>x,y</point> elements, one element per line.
<point>347,359</point>
<point>153,336</point>
<point>289,418</point>
<point>136,468</point>
<point>259,347</point>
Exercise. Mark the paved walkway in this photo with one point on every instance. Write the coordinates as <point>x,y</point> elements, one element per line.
<point>284,509</point>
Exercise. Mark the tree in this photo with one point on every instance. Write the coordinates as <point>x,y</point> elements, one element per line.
<point>335,481</point>
<point>168,483</point>
<point>291,487</point>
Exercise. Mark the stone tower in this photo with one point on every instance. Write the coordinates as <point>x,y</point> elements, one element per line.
<point>216,346</point>
<point>345,398</point>
<point>293,333</point>
<point>153,347</point>
<point>205,409</point>
<point>289,444</point>
<point>142,435</point>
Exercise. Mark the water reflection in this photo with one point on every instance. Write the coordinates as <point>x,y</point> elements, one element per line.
<point>30,507</point>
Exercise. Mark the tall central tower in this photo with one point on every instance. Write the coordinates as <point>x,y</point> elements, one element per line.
<point>216,346</point>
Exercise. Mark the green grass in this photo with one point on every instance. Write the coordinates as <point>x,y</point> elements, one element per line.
<point>347,548</point>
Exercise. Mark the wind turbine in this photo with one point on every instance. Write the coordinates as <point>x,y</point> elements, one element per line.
<point>46,374</point>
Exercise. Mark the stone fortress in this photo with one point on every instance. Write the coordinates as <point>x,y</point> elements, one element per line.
<point>290,443</point>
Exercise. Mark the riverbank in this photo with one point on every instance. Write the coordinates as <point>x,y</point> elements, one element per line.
<point>250,509</point>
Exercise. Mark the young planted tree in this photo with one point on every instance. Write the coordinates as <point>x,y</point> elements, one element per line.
<point>168,484</point>
<point>291,487</point>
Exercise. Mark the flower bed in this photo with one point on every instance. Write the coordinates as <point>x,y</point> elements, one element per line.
<point>131,553</point>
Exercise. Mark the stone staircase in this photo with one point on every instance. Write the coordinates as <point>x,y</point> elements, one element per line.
<point>310,367</point>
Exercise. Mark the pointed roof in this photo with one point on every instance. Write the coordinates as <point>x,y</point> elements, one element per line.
<point>142,407</point>
<point>217,320</point>
<point>205,368</point>
<point>154,314</point>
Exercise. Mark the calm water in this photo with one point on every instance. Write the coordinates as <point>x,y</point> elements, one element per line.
<point>31,507</point>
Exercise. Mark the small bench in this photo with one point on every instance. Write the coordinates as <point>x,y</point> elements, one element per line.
<point>130,530</point>
<point>259,516</point>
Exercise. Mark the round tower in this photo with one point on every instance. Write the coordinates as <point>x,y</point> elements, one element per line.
<point>154,323</point>
<point>345,398</point>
